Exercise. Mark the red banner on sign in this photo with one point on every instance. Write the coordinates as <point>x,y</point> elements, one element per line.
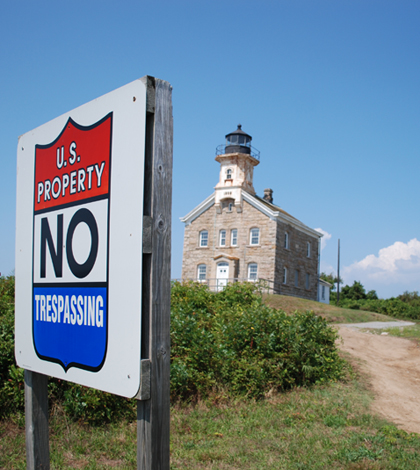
<point>75,166</point>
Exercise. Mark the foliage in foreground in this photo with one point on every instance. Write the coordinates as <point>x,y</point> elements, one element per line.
<point>325,427</point>
<point>79,402</point>
<point>226,342</point>
<point>231,341</point>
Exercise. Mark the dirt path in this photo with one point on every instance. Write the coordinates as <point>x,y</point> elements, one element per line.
<point>394,367</point>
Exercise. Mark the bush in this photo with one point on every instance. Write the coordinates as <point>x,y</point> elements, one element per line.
<point>411,298</point>
<point>80,402</point>
<point>242,346</point>
<point>226,341</point>
<point>392,307</point>
<point>96,407</point>
<point>11,378</point>
<point>406,305</point>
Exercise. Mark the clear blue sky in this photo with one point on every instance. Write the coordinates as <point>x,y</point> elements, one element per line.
<point>328,89</point>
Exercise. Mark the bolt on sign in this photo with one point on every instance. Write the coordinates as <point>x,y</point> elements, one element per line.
<point>79,243</point>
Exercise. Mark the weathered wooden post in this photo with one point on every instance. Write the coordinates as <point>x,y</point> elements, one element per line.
<point>153,414</point>
<point>93,251</point>
<point>36,417</point>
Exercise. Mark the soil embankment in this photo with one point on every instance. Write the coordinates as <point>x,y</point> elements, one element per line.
<point>393,364</point>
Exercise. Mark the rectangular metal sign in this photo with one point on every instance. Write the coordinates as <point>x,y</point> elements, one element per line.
<point>79,243</point>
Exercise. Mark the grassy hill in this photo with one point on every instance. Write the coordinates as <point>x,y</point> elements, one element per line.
<point>331,313</point>
<point>326,426</point>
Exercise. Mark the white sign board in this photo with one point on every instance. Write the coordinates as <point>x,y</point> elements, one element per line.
<point>79,222</point>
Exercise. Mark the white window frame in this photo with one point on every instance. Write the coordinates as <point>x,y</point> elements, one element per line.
<point>252,272</point>
<point>234,237</point>
<point>286,240</point>
<point>204,240</point>
<point>202,273</point>
<point>222,237</point>
<point>252,236</point>
<point>229,174</point>
<point>308,249</point>
<point>284,275</point>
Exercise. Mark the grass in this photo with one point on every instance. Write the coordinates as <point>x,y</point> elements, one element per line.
<point>320,428</point>
<point>324,427</point>
<point>409,332</point>
<point>327,427</point>
<point>73,445</point>
<point>331,313</point>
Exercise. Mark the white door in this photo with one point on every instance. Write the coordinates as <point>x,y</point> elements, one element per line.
<point>222,275</point>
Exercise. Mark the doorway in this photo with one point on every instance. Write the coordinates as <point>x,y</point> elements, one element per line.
<point>222,275</point>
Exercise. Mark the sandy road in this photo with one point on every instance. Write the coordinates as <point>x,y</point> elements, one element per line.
<point>394,367</point>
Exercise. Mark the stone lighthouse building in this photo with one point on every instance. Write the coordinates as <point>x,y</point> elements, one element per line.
<point>235,235</point>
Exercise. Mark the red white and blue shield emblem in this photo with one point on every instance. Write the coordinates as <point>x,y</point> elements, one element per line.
<point>71,246</point>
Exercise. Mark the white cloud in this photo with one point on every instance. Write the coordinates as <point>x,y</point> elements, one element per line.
<point>325,238</point>
<point>327,268</point>
<point>395,264</point>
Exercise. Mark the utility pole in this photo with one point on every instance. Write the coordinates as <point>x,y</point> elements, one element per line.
<point>338,273</point>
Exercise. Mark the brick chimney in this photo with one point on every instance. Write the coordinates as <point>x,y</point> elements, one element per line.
<point>268,195</point>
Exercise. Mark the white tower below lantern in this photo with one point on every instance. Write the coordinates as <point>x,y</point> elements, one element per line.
<point>237,161</point>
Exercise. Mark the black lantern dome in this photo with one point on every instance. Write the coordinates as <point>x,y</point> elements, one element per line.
<point>238,142</point>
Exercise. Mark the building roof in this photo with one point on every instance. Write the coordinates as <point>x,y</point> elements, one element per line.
<point>273,206</point>
<point>239,131</point>
<point>324,282</point>
<point>267,208</point>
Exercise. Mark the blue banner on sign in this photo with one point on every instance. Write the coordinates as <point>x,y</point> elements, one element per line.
<point>70,325</point>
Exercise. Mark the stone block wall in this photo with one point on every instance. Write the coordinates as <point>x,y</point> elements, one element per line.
<point>295,258</point>
<point>270,255</point>
<point>238,256</point>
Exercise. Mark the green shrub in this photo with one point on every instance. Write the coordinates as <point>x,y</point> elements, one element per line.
<point>7,309</point>
<point>239,294</point>
<point>393,307</point>
<point>192,297</point>
<point>273,350</point>
<point>12,392</point>
<point>412,298</point>
<point>80,402</point>
<point>242,346</point>
<point>227,341</point>
<point>11,378</point>
<point>406,305</point>
<point>96,407</point>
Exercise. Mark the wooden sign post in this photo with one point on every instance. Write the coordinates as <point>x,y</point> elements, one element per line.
<point>121,142</point>
<point>153,414</point>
